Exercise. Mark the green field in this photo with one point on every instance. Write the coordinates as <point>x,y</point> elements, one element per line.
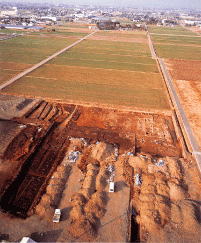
<point>27,49</point>
<point>103,54</point>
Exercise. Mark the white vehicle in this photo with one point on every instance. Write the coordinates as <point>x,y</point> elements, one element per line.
<point>57,215</point>
<point>111,186</point>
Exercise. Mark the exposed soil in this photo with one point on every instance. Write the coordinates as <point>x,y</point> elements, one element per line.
<point>14,66</point>
<point>12,106</point>
<point>189,93</point>
<point>161,202</point>
<point>118,38</point>
<point>195,29</point>
<point>152,133</point>
<point>164,206</point>
<point>185,69</point>
<point>186,75</point>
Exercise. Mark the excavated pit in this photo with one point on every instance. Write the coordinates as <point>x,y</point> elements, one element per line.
<point>46,138</point>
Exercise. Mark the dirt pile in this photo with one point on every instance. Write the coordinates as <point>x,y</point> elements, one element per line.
<point>161,199</point>
<point>88,205</point>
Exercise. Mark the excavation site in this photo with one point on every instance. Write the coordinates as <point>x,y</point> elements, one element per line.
<point>115,175</point>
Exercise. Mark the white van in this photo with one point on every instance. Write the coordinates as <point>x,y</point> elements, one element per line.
<point>111,186</point>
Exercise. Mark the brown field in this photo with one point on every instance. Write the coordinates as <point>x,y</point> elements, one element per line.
<point>185,69</point>
<point>195,29</point>
<point>190,96</point>
<point>7,74</point>
<point>80,30</point>
<point>116,32</point>
<point>98,75</point>
<point>14,66</point>
<point>10,69</point>
<point>116,38</point>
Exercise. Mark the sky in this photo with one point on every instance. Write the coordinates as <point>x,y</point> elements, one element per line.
<point>196,4</point>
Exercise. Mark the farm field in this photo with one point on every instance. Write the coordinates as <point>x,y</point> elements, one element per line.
<point>178,40</point>
<point>89,85</point>
<point>184,63</point>
<point>185,69</point>
<point>57,30</point>
<point>25,51</point>
<point>104,72</point>
<point>178,30</point>
<point>129,36</point>
<point>178,51</point>
<point>176,43</point>
<point>106,60</point>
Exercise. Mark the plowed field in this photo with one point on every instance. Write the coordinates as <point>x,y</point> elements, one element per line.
<point>185,69</point>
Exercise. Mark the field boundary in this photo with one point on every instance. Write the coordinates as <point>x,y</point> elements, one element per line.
<point>22,74</point>
<point>123,108</point>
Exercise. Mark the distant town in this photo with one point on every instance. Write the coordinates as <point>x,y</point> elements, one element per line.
<point>39,16</point>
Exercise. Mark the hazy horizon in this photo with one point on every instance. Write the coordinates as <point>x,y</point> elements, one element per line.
<point>124,3</point>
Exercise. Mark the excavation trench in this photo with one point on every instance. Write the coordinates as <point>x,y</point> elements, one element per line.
<point>144,136</point>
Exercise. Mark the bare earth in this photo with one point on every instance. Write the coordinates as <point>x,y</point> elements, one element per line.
<point>189,93</point>
<point>186,75</point>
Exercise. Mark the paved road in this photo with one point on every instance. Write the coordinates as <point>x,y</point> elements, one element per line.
<point>20,75</point>
<point>195,149</point>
